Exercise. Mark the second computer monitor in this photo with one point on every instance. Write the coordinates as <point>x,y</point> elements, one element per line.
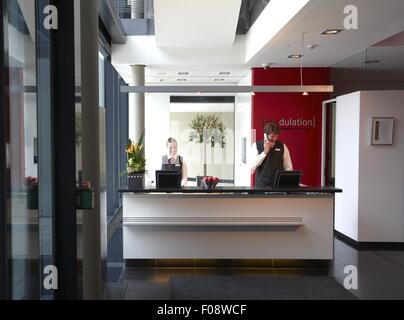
<point>288,179</point>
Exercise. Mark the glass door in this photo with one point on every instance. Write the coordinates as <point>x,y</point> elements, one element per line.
<point>21,145</point>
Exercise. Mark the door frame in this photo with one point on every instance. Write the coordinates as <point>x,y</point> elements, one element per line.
<point>4,250</point>
<point>63,172</point>
<point>324,140</point>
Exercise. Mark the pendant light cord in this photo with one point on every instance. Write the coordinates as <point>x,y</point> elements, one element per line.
<point>301,61</point>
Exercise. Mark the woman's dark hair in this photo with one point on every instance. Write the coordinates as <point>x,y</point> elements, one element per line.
<point>171,140</point>
<point>272,127</point>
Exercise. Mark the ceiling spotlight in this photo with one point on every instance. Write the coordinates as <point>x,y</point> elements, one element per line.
<point>266,65</point>
<point>331,32</point>
<point>181,79</point>
<point>183,73</point>
<point>224,73</point>
<point>305,93</point>
<point>217,79</point>
<point>253,93</point>
<point>295,56</point>
<point>312,46</point>
<point>371,61</point>
<point>199,93</point>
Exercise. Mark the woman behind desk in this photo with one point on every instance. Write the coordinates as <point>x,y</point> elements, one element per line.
<point>172,161</point>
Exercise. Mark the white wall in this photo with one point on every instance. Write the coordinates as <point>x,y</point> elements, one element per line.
<point>381,170</point>
<point>371,207</point>
<point>242,171</point>
<point>347,164</point>
<point>157,124</point>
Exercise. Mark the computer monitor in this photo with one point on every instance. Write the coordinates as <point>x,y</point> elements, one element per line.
<point>288,179</point>
<point>168,179</point>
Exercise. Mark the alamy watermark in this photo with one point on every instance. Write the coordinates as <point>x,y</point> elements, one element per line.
<point>351,280</point>
<point>50,281</point>
<point>51,21</point>
<point>351,21</point>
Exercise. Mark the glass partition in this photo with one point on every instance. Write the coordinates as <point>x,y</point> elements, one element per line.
<point>205,136</point>
<point>21,148</point>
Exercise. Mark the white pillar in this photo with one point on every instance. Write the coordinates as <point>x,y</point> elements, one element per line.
<point>92,233</point>
<point>137,104</point>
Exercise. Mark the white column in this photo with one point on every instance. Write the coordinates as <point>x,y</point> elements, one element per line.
<point>137,104</point>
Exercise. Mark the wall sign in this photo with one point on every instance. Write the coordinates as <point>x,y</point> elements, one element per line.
<point>382,130</point>
<point>291,123</point>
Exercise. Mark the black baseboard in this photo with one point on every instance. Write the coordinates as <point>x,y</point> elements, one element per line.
<point>226,263</point>
<point>387,246</point>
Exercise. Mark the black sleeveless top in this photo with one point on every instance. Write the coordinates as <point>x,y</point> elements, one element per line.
<point>266,172</point>
<point>177,166</point>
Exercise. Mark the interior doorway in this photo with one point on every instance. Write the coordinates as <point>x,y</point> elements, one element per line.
<point>328,145</point>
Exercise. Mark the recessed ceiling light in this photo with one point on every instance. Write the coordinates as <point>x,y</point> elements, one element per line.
<point>267,65</point>
<point>312,46</point>
<point>224,73</point>
<point>181,79</point>
<point>217,79</point>
<point>183,73</point>
<point>295,56</point>
<point>371,61</point>
<point>331,32</point>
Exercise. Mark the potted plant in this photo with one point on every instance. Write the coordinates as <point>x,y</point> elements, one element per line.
<point>136,165</point>
<point>208,129</point>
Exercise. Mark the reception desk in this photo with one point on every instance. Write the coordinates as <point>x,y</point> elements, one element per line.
<point>229,223</point>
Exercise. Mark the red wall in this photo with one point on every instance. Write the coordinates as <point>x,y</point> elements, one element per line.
<point>304,141</point>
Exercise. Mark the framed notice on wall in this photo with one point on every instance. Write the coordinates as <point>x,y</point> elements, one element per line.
<point>382,130</point>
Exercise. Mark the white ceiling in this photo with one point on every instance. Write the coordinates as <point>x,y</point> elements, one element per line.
<point>202,107</point>
<point>195,75</point>
<point>394,41</point>
<point>200,63</point>
<point>378,20</point>
<point>196,23</point>
<point>390,59</point>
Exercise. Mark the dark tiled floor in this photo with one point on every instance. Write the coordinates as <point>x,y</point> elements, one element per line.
<point>115,253</point>
<point>380,274</point>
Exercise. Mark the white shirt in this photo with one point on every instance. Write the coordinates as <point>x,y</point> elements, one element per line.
<point>256,159</point>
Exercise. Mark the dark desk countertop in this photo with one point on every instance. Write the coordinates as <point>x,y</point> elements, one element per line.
<point>238,190</point>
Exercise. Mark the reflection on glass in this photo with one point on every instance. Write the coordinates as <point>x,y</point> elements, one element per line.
<point>21,139</point>
<point>205,135</point>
